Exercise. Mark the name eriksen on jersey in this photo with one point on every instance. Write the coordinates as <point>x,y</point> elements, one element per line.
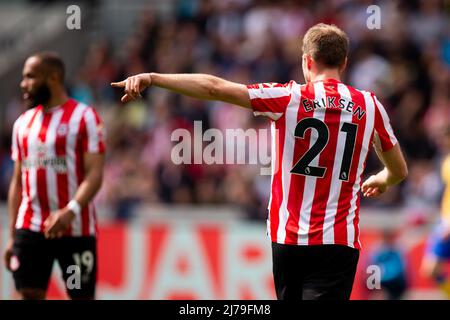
<point>310,105</point>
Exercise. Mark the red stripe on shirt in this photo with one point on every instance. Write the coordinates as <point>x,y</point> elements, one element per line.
<point>29,210</point>
<point>297,184</point>
<point>356,243</point>
<point>340,224</point>
<point>41,174</point>
<point>101,143</point>
<point>275,105</point>
<point>385,139</point>
<point>277,186</point>
<point>62,178</point>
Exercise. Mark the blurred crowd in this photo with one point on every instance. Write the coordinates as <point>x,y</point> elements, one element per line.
<point>406,64</point>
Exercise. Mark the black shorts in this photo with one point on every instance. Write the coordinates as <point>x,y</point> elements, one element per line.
<point>321,272</point>
<point>34,255</point>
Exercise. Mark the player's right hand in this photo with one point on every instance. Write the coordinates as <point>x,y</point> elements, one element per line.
<point>133,86</point>
<point>57,223</point>
<point>372,187</point>
<point>8,254</point>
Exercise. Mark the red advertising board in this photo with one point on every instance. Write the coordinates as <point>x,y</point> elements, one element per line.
<point>210,260</point>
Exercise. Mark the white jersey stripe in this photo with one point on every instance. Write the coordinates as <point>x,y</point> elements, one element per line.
<point>336,183</point>
<point>52,193</point>
<point>23,206</point>
<point>386,122</point>
<point>291,122</point>
<point>24,120</point>
<point>32,155</point>
<point>272,115</point>
<point>368,130</point>
<point>272,92</point>
<point>73,125</point>
<point>14,145</point>
<point>93,141</point>
<point>310,182</point>
<point>274,138</point>
<point>91,127</point>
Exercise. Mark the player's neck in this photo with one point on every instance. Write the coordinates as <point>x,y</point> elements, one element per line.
<point>56,100</point>
<point>326,74</point>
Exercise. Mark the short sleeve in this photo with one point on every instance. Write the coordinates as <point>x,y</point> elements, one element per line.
<point>383,127</point>
<point>93,138</point>
<point>270,99</point>
<point>15,151</point>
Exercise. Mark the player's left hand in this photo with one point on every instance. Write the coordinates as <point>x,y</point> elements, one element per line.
<point>373,187</point>
<point>57,223</point>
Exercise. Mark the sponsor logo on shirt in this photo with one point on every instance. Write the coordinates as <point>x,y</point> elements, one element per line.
<point>59,164</point>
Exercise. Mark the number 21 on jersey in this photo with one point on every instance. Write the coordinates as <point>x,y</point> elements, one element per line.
<point>303,165</point>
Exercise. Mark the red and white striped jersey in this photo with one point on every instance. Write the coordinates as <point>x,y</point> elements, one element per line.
<point>321,135</point>
<point>50,145</point>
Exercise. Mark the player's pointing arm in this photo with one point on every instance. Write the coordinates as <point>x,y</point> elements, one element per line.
<point>200,86</point>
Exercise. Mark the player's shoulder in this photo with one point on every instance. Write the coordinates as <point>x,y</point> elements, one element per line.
<point>364,92</point>
<point>272,85</point>
<point>289,85</point>
<point>26,115</point>
<point>79,105</point>
<point>83,108</point>
<point>368,96</point>
<point>351,89</point>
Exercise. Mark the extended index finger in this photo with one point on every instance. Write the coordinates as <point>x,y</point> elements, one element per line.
<point>120,84</point>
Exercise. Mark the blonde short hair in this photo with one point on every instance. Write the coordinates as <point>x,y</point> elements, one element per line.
<point>326,44</point>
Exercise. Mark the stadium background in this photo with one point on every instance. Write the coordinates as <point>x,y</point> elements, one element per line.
<point>198,231</point>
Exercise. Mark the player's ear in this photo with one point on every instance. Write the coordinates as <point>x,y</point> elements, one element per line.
<point>311,63</point>
<point>51,78</point>
<point>308,61</point>
<point>344,65</point>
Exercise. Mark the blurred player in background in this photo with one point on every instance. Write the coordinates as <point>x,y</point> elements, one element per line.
<point>438,250</point>
<point>321,134</point>
<point>58,153</point>
<point>389,257</point>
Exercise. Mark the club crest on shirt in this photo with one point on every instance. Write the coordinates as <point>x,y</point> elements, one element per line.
<point>62,130</point>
